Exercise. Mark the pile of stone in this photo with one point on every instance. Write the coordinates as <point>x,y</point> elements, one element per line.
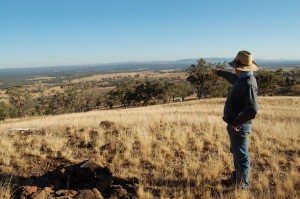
<point>85,180</point>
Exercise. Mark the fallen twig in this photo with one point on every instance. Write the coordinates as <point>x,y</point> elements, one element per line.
<point>21,130</point>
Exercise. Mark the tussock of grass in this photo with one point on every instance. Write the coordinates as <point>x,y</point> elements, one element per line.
<point>6,188</point>
<point>177,150</point>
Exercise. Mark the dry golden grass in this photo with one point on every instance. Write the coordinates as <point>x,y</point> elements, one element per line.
<point>6,188</point>
<point>178,150</point>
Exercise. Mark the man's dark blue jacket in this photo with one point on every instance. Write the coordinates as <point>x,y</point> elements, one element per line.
<point>241,104</point>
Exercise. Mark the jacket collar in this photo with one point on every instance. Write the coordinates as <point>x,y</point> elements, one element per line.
<point>245,74</point>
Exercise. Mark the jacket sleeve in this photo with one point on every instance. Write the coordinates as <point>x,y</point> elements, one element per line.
<point>230,77</point>
<point>250,107</point>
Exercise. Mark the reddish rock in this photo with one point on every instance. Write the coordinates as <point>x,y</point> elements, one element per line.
<point>28,190</point>
<point>41,194</point>
<point>71,193</point>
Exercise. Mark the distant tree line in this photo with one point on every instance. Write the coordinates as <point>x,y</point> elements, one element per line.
<point>82,97</point>
<point>148,92</point>
<point>128,92</point>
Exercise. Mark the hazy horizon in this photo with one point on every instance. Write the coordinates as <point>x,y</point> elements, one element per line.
<point>150,61</point>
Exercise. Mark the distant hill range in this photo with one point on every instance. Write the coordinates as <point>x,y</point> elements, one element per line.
<point>128,66</point>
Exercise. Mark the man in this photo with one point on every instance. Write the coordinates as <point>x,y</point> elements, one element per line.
<point>240,108</point>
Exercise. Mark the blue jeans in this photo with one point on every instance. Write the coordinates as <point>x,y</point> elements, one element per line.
<point>239,149</point>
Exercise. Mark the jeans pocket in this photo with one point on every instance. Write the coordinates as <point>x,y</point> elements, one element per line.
<point>246,128</point>
<point>243,134</point>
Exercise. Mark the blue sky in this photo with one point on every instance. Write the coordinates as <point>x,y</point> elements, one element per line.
<point>65,32</point>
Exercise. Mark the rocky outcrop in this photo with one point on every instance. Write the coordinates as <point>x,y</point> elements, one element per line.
<point>85,180</point>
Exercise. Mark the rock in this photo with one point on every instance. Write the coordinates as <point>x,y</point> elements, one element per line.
<point>117,191</point>
<point>97,193</point>
<point>128,184</point>
<point>71,193</point>
<point>41,194</point>
<point>107,125</point>
<point>48,190</point>
<point>81,176</point>
<point>28,190</point>
<point>104,179</point>
<point>86,170</point>
<point>89,171</point>
<point>88,194</point>
<point>103,184</point>
<point>86,180</point>
<point>73,182</point>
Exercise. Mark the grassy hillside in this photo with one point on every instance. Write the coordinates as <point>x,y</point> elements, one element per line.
<point>176,151</point>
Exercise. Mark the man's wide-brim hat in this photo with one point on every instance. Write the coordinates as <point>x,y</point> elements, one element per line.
<point>243,61</point>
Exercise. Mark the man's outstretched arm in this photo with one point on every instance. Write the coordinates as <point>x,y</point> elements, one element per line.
<point>230,77</point>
